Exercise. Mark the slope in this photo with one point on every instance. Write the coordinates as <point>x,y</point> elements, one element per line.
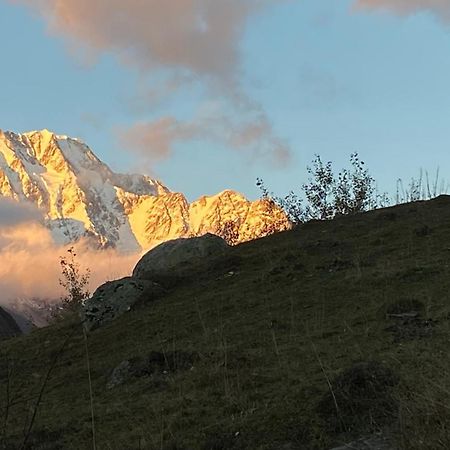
<point>306,339</point>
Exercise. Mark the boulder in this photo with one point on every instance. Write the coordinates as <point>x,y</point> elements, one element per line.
<point>114,298</point>
<point>180,259</point>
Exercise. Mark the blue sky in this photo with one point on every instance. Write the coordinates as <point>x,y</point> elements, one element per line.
<point>319,75</point>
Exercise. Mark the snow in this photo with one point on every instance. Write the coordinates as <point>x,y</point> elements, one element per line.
<point>81,196</point>
<point>65,231</point>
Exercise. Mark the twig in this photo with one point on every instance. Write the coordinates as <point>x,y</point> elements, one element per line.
<point>326,376</point>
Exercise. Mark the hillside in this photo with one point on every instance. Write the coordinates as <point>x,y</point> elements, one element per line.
<point>307,339</point>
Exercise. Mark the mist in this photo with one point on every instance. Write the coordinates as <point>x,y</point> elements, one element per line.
<point>30,263</point>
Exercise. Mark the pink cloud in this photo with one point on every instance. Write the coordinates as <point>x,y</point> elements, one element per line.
<point>155,140</point>
<point>440,8</point>
<point>199,35</point>
<point>29,263</point>
<point>190,40</point>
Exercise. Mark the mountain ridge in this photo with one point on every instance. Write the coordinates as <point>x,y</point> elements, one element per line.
<point>80,196</point>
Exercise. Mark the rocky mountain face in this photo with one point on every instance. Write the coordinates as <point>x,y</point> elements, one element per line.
<point>8,326</point>
<point>80,196</point>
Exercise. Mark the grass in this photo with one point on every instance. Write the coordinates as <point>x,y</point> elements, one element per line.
<point>294,350</point>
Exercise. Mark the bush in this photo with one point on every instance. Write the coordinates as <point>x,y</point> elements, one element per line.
<point>272,220</point>
<point>74,281</point>
<point>328,196</point>
<point>229,231</point>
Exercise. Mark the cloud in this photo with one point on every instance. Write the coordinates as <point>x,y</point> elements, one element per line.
<point>201,36</point>
<point>152,92</point>
<point>15,213</point>
<point>187,41</point>
<point>440,8</point>
<point>95,121</point>
<point>29,263</point>
<point>155,140</point>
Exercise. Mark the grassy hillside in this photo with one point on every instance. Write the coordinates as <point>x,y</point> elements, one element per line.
<point>303,340</point>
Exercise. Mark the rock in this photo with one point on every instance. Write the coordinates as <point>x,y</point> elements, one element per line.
<point>154,364</point>
<point>180,259</point>
<point>114,298</point>
<point>8,326</point>
<point>120,374</point>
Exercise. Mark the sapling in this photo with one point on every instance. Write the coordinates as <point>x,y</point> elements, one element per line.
<point>74,280</point>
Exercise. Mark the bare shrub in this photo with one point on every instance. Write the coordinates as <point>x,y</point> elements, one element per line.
<point>421,188</point>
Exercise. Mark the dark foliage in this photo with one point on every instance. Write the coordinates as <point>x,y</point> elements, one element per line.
<point>74,281</point>
<point>327,195</point>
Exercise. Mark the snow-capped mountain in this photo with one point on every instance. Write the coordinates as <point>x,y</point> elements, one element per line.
<point>80,196</point>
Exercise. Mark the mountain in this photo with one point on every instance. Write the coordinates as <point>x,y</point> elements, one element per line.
<point>80,196</point>
<point>8,326</point>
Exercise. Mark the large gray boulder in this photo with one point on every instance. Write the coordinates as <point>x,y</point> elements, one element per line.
<point>180,259</point>
<point>114,298</point>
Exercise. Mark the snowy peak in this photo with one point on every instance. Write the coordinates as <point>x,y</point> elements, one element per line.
<point>80,196</point>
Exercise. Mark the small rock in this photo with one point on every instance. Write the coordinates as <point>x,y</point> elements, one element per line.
<point>153,364</point>
<point>119,375</point>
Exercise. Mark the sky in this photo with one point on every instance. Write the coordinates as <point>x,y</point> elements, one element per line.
<point>211,94</point>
